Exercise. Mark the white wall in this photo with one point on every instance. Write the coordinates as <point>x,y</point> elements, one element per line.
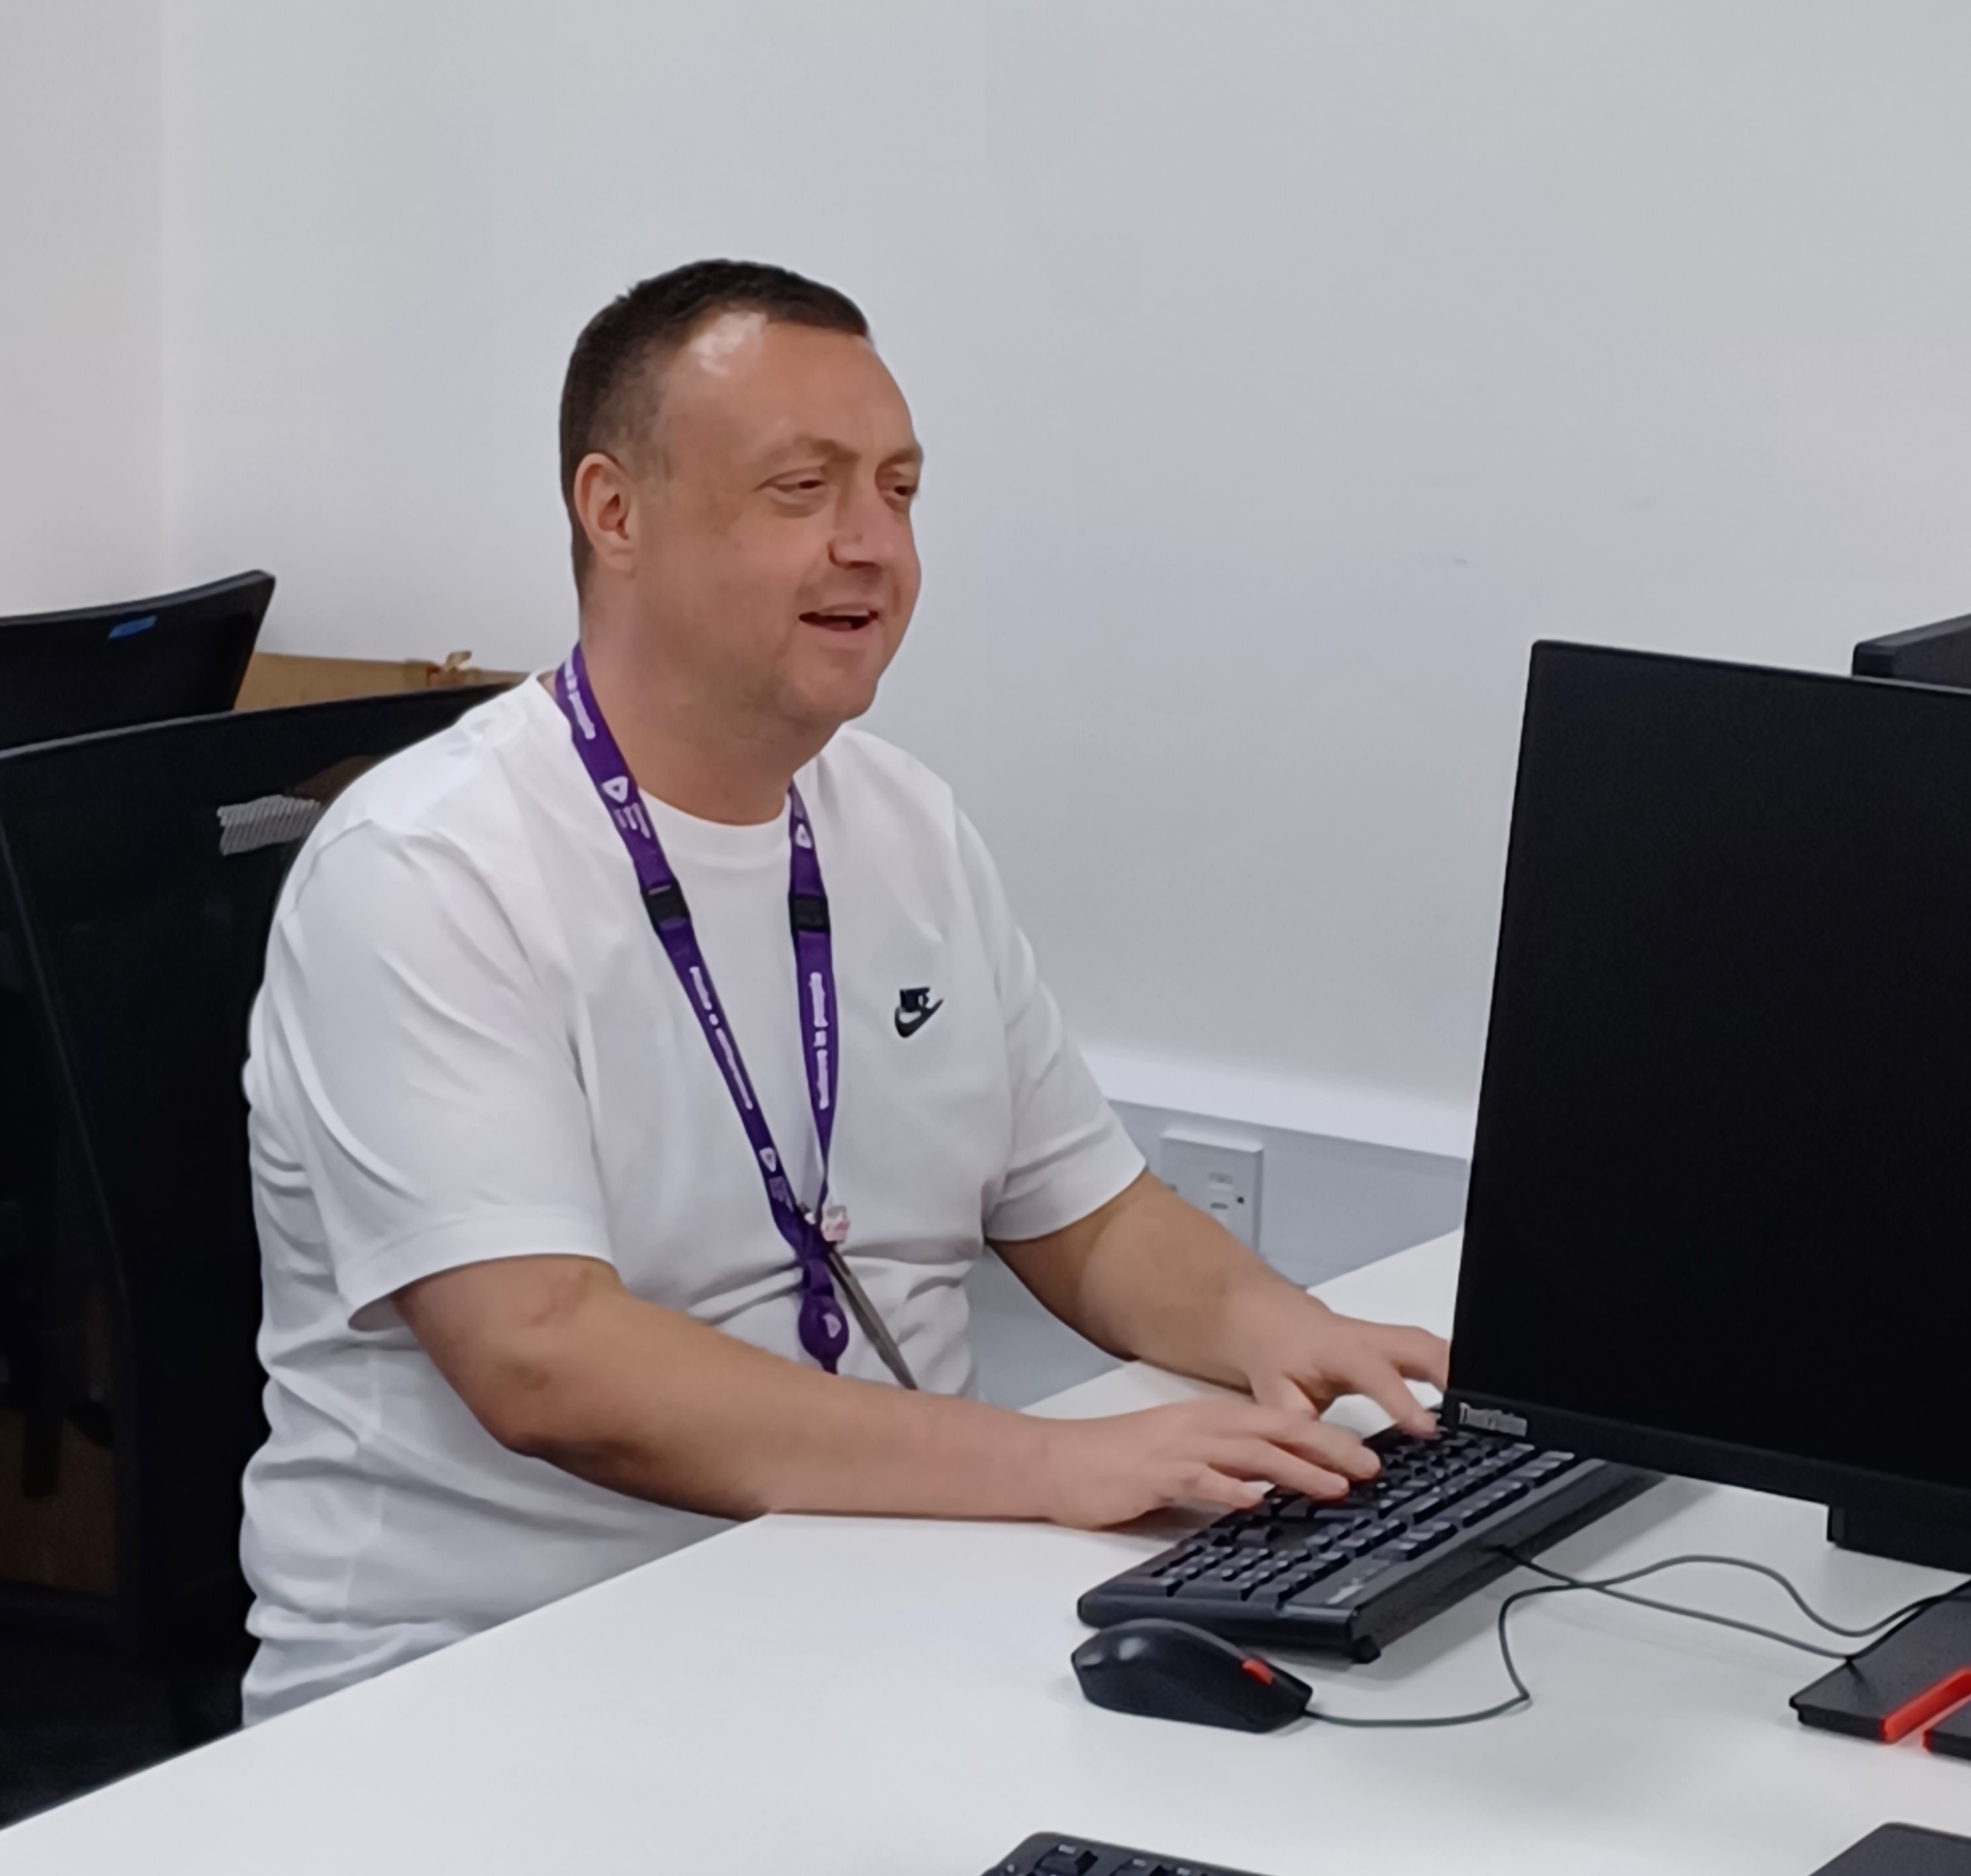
<point>1285,369</point>
<point>80,390</point>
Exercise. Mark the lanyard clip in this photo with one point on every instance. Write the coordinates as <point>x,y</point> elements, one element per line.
<point>664,904</point>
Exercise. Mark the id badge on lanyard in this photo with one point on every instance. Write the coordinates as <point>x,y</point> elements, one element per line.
<point>816,1239</point>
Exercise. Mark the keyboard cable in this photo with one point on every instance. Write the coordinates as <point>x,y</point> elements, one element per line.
<point>1560,1584</point>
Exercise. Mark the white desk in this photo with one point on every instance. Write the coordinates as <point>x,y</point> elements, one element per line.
<point>831,1697</point>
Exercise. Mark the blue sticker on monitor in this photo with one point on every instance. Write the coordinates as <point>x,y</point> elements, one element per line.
<point>131,627</point>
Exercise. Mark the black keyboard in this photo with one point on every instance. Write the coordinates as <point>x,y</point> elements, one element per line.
<point>1046,1855</point>
<point>1348,1577</point>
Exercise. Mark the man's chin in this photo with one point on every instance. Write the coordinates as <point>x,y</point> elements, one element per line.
<point>845,709</point>
<point>819,710</point>
<point>832,697</point>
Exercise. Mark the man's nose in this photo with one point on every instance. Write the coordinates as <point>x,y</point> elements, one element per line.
<point>868,532</point>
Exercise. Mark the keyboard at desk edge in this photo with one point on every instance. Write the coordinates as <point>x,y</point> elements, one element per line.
<point>1049,1855</point>
<point>1347,1578</point>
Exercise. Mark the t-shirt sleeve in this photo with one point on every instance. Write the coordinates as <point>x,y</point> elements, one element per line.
<point>409,1074</point>
<point>1070,1154</point>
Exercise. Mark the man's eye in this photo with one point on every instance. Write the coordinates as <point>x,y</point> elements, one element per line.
<point>802,485</point>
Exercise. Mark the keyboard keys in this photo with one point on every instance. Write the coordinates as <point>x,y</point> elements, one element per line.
<point>1202,1592</point>
<point>1292,1587</point>
<point>1346,1586</point>
<point>1548,1466</point>
<point>1428,1517</point>
<point>1065,1859</point>
<point>1044,1856</point>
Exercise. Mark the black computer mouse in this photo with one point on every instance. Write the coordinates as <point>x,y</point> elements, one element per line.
<point>1171,1671</point>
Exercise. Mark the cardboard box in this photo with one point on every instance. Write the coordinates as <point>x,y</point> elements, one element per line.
<point>276,679</point>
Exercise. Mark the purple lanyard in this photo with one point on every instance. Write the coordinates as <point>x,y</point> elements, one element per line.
<point>823,1332</point>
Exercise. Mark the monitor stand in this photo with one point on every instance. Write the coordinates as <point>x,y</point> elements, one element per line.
<point>1917,1678</point>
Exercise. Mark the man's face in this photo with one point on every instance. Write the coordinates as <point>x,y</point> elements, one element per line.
<point>774,560</point>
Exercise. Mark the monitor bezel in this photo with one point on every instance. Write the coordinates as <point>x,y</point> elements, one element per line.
<point>1913,657</point>
<point>1716,1462</point>
<point>239,595</point>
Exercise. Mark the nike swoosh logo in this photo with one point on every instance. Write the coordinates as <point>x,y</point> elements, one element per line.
<point>909,1021</point>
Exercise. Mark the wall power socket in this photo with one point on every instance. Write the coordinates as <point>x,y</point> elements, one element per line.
<point>1217,1172</point>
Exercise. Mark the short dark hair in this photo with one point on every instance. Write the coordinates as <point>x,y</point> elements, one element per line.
<point>609,388</point>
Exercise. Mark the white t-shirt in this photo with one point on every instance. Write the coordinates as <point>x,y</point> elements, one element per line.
<point>469,1044</point>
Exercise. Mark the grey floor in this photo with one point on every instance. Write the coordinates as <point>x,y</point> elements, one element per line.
<point>1328,1206</point>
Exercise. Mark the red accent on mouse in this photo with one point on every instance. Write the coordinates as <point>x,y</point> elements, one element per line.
<point>1170,1670</point>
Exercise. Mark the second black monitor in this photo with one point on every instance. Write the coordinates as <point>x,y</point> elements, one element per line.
<point>106,667</point>
<point>1720,1211</point>
<point>1930,655</point>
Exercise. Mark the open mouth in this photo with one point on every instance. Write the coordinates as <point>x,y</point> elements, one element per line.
<point>843,618</point>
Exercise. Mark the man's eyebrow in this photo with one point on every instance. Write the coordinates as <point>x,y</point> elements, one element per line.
<point>826,446</point>
<point>835,451</point>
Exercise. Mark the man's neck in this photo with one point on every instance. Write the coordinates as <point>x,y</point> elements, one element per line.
<point>690,756</point>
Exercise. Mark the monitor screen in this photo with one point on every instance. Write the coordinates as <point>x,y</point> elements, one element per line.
<point>1720,1210</point>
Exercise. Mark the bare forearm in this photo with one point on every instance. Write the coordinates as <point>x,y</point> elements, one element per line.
<point>1147,1275</point>
<point>558,1361</point>
<point>650,1403</point>
<point>1152,1277</point>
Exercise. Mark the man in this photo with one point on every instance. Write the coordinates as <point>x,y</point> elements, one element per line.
<point>644,1063</point>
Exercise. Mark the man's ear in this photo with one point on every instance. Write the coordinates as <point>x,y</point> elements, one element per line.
<point>604,496</point>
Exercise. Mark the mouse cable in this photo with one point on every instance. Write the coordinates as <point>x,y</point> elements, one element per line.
<point>1562,1584</point>
<point>1610,1586</point>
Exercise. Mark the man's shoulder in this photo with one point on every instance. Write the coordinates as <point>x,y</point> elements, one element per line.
<point>460,789</point>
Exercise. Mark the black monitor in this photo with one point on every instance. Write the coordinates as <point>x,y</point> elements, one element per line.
<point>1719,1220</point>
<point>1930,655</point>
<point>103,668</point>
<point>139,871</point>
